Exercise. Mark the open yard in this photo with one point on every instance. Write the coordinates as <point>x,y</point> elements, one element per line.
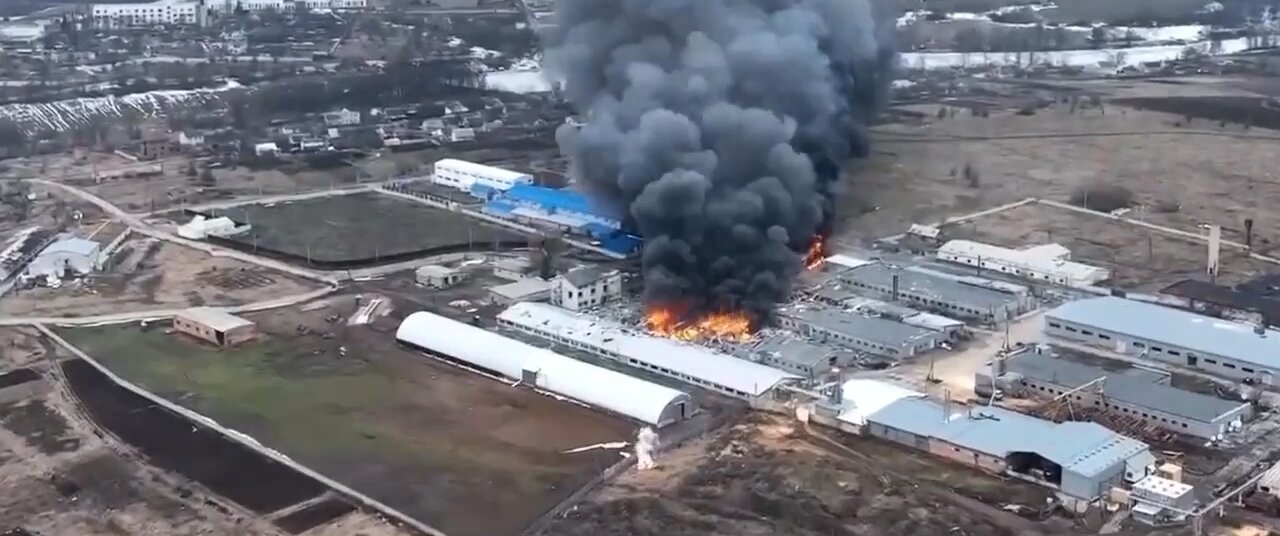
<point>362,227</point>
<point>444,445</point>
<point>1179,175</point>
<point>769,476</point>
<point>148,274</point>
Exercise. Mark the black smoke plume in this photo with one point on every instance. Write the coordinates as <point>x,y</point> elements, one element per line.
<point>719,129</point>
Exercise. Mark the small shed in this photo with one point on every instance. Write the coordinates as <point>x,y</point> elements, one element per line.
<point>436,276</point>
<point>214,325</point>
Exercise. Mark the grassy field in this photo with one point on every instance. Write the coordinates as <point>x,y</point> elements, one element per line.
<point>429,439</point>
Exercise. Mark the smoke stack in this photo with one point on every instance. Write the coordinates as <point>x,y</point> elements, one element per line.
<point>1248,233</point>
<point>1215,246</point>
<point>946,406</point>
<point>895,287</point>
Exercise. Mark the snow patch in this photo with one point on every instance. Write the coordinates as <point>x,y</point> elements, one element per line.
<point>73,113</point>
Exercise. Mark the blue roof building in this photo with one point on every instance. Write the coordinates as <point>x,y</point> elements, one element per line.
<point>1223,347</point>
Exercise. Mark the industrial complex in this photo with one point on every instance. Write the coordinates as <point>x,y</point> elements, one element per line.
<point>339,267</point>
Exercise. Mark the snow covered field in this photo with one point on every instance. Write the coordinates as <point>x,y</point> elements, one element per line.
<point>72,113</point>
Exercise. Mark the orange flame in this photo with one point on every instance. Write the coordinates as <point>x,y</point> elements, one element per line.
<point>729,325</point>
<point>816,254</point>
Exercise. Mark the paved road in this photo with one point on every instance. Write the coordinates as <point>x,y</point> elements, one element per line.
<point>151,314</point>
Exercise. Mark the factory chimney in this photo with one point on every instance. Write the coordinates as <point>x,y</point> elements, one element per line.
<point>946,406</point>
<point>1215,246</point>
<point>1248,233</point>
<point>895,287</point>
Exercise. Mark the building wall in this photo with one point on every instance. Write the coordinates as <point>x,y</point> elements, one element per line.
<point>898,436</point>
<point>55,263</point>
<point>117,15</point>
<point>199,331</point>
<point>968,457</point>
<point>1220,365</point>
<point>463,179</point>
<point>953,309</point>
<point>232,337</point>
<point>908,349</point>
<point>604,290</point>
<point>1014,267</point>
<point>1154,416</point>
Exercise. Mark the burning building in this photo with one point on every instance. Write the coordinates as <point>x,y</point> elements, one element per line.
<point>689,363</point>
<point>726,173</point>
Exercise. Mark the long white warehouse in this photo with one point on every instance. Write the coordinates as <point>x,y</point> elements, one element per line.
<point>466,176</point>
<point>596,386</point>
<point>683,361</point>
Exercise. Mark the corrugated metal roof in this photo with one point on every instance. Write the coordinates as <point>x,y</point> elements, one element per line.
<point>555,199</point>
<point>676,356</point>
<point>639,399</point>
<point>1194,332</point>
<point>1133,386</point>
<point>858,326</point>
<point>73,245</point>
<point>791,350</point>
<point>583,276</point>
<point>940,288</point>
<point>522,289</point>
<point>1083,448</point>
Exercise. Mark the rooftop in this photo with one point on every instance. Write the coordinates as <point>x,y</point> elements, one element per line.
<point>790,349</point>
<point>1194,332</point>
<point>933,286</point>
<point>1082,447</point>
<point>1041,258</point>
<point>521,289</point>
<point>1162,487</point>
<point>675,356</point>
<point>585,275</point>
<point>1137,387</point>
<point>858,326</point>
<point>73,245</point>
<point>216,319</point>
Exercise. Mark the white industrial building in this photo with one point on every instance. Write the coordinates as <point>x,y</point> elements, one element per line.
<point>586,287</point>
<point>200,227</point>
<point>67,255</point>
<point>1047,262</point>
<point>436,276</point>
<point>466,176</point>
<point>149,13</point>
<point>687,362</point>
<point>1222,347</point>
<point>473,347</point>
<point>1157,500</point>
<point>341,118</point>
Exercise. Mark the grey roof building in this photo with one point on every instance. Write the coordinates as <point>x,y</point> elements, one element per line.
<point>1081,459</point>
<point>869,334</point>
<point>796,355</point>
<point>1131,392</point>
<point>1223,347</point>
<point>953,296</point>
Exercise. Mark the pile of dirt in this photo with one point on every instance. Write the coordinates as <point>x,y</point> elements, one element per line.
<point>748,487</point>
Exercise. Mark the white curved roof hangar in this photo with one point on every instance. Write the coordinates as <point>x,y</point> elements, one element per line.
<point>644,401</point>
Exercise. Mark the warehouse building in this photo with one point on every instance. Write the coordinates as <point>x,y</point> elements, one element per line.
<point>1082,460</point>
<point>1138,393</point>
<point>1158,501</point>
<point>214,325</point>
<point>956,296</point>
<point>869,334</point>
<point>438,277</point>
<point>686,362</point>
<point>477,178</point>
<point>1222,347</point>
<point>797,355</point>
<point>1047,262</point>
<point>528,289</point>
<point>491,353</point>
<point>68,255</point>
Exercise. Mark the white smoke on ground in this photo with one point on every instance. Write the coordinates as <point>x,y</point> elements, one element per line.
<point>646,447</point>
